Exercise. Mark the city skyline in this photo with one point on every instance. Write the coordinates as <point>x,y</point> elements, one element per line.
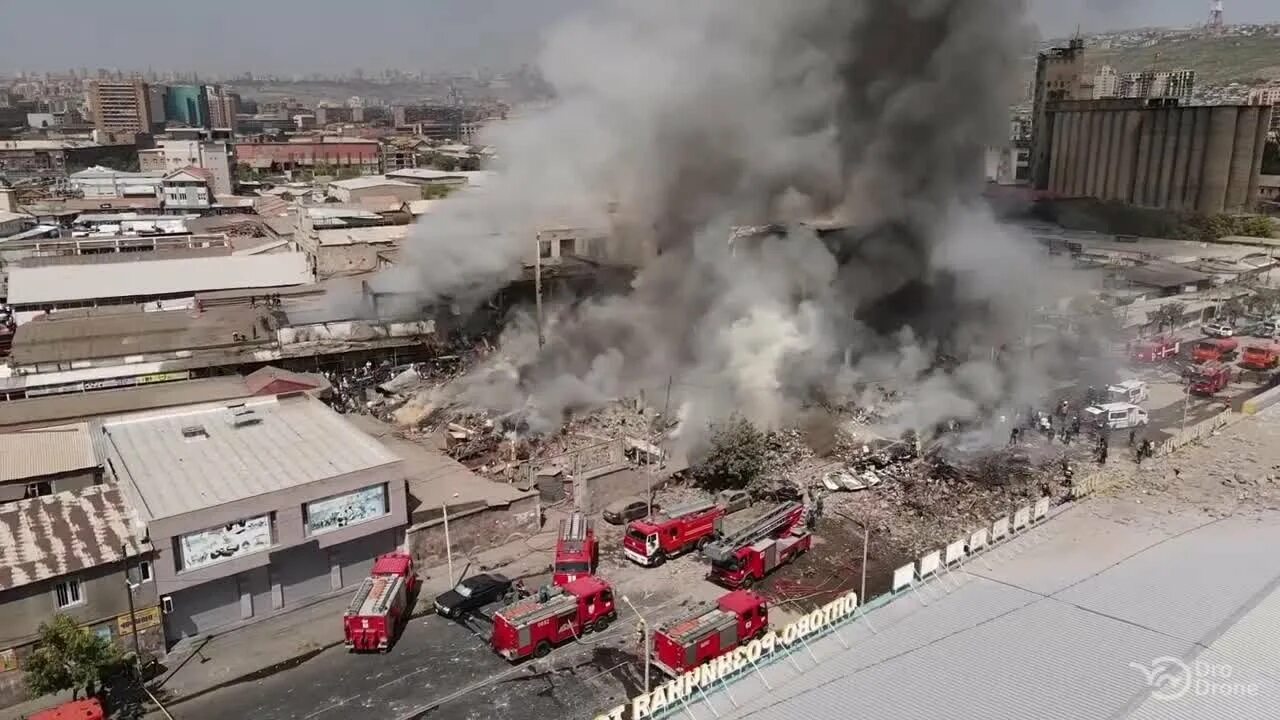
<point>436,36</point>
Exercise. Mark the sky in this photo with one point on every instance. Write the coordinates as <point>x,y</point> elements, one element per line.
<point>331,36</point>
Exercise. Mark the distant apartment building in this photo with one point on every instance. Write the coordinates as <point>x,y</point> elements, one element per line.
<point>187,105</point>
<point>224,106</point>
<point>121,106</point>
<point>326,115</point>
<point>1106,82</point>
<point>1060,75</point>
<point>1153,84</point>
<point>53,159</point>
<point>216,156</point>
<point>187,190</point>
<point>1157,154</point>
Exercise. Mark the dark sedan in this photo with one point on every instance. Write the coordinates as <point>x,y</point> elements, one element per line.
<point>471,594</point>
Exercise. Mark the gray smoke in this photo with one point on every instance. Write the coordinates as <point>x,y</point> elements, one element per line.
<point>859,124</point>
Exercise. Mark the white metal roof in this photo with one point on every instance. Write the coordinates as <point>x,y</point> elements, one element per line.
<point>1055,632</point>
<point>46,451</point>
<point>67,283</point>
<point>368,182</point>
<point>294,441</point>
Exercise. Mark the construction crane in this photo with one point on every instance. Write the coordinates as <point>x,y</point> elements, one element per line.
<point>740,558</point>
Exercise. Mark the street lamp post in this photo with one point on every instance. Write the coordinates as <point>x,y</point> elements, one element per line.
<point>648,650</point>
<point>866,537</point>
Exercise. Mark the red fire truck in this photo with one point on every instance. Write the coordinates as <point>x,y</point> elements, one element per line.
<point>1214,350</point>
<point>1261,356</point>
<point>380,604</point>
<point>690,641</point>
<point>576,550</point>
<point>651,540</point>
<point>747,555</point>
<point>1208,378</point>
<point>556,615</point>
<point>1154,349</point>
<point>89,709</point>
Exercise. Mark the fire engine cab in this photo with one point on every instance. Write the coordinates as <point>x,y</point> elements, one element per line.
<point>1261,356</point>
<point>692,640</point>
<point>747,555</point>
<point>556,615</point>
<point>379,605</point>
<point>1209,378</point>
<point>577,552</point>
<point>651,540</point>
<point>1155,349</point>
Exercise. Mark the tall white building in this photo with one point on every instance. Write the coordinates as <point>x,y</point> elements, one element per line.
<point>1106,82</point>
<point>216,156</point>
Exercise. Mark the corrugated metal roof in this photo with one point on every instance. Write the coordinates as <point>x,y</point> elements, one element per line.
<point>60,534</point>
<point>156,277</point>
<point>990,643</point>
<point>47,451</point>
<point>296,441</point>
<point>70,406</point>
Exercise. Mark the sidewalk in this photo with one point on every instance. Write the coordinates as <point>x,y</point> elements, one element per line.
<point>277,643</point>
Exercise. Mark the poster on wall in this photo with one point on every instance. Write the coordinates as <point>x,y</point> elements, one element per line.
<point>339,511</point>
<point>232,540</point>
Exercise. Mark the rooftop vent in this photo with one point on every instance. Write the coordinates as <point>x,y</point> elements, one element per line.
<point>194,432</point>
<point>243,417</point>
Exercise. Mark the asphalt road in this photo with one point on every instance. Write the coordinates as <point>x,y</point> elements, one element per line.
<point>441,669</point>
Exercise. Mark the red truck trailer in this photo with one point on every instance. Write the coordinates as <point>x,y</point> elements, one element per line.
<point>577,552</point>
<point>1263,356</point>
<point>89,709</point>
<point>694,639</point>
<point>1214,350</point>
<point>535,625</point>
<point>744,557</point>
<point>651,540</point>
<point>1154,349</point>
<point>380,604</point>
<point>1208,378</point>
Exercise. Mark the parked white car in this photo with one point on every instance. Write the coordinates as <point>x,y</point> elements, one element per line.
<point>1117,416</point>
<point>1221,330</point>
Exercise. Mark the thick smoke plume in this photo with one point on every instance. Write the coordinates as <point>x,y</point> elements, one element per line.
<point>857,124</point>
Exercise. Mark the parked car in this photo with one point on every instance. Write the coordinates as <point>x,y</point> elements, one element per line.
<point>733,500</point>
<point>471,594</point>
<point>625,510</point>
<point>1221,330</point>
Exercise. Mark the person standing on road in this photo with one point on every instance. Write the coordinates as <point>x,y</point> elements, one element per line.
<point>1133,434</point>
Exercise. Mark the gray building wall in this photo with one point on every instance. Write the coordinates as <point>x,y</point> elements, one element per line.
<point>296,568</point>
<point>103,589</point>
<point>60,482</point>
<point>1203,159</point>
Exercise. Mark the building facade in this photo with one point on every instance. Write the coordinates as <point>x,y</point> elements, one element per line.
<point>36,463</point>
<point>224,106</point>
<point>1157,84</point>
<point>255,508</point>
<point>215,156</point>
<point>1157,154</point>
<point>1268,94</point>
<point>120,106</point>
<point>187,190</point>
<point>1059,76</point>
<point>73,553</point>
<point>1106,83</point>
<point>327,154</point>
<point>53,159</point>
<point>101,182</point>
<point>187,105</point>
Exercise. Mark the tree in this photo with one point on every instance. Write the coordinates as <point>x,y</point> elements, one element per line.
<point>1167,316</point>
<point>69,657</point>
<point>1263,301</point>
<point>1230,310</point>
<point>736,458</point>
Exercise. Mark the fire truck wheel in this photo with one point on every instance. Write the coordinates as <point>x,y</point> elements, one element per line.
<point>747,582</point>
<point>602,624</point>
<point>542,650</point>
<point>659,559</point>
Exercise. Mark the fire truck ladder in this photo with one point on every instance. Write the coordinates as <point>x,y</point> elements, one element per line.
<point>575,527</point>
<point>768,525</point>
<point>687,509</point>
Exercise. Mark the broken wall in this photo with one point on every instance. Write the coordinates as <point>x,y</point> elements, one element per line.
<point>472,531</point>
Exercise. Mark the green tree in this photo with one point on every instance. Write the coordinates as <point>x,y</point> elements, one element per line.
<point>69,657</point>
<point>1167,316</point>
<point>736,458</point>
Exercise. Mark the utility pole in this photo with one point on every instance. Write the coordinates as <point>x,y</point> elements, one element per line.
<point>537,286</point>
<point>866,539</point>
<point>648,641</point>
<point>133,618</point>
<point>448,548</point>
<point>658,438</point>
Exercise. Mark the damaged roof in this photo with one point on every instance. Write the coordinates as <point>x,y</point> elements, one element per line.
<point>60,534</point>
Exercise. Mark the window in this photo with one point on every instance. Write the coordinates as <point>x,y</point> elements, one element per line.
<point>140,573</point>
<point>166,604</point>
<point>68,594</point>
<point>544,248</point>
<point>566,246</point>
<point>37,489</point>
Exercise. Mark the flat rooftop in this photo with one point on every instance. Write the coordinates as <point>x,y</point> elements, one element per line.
<point>83,282</point>
<point>48,451</point>
<point>192,458</point>
<point>49,409</point>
